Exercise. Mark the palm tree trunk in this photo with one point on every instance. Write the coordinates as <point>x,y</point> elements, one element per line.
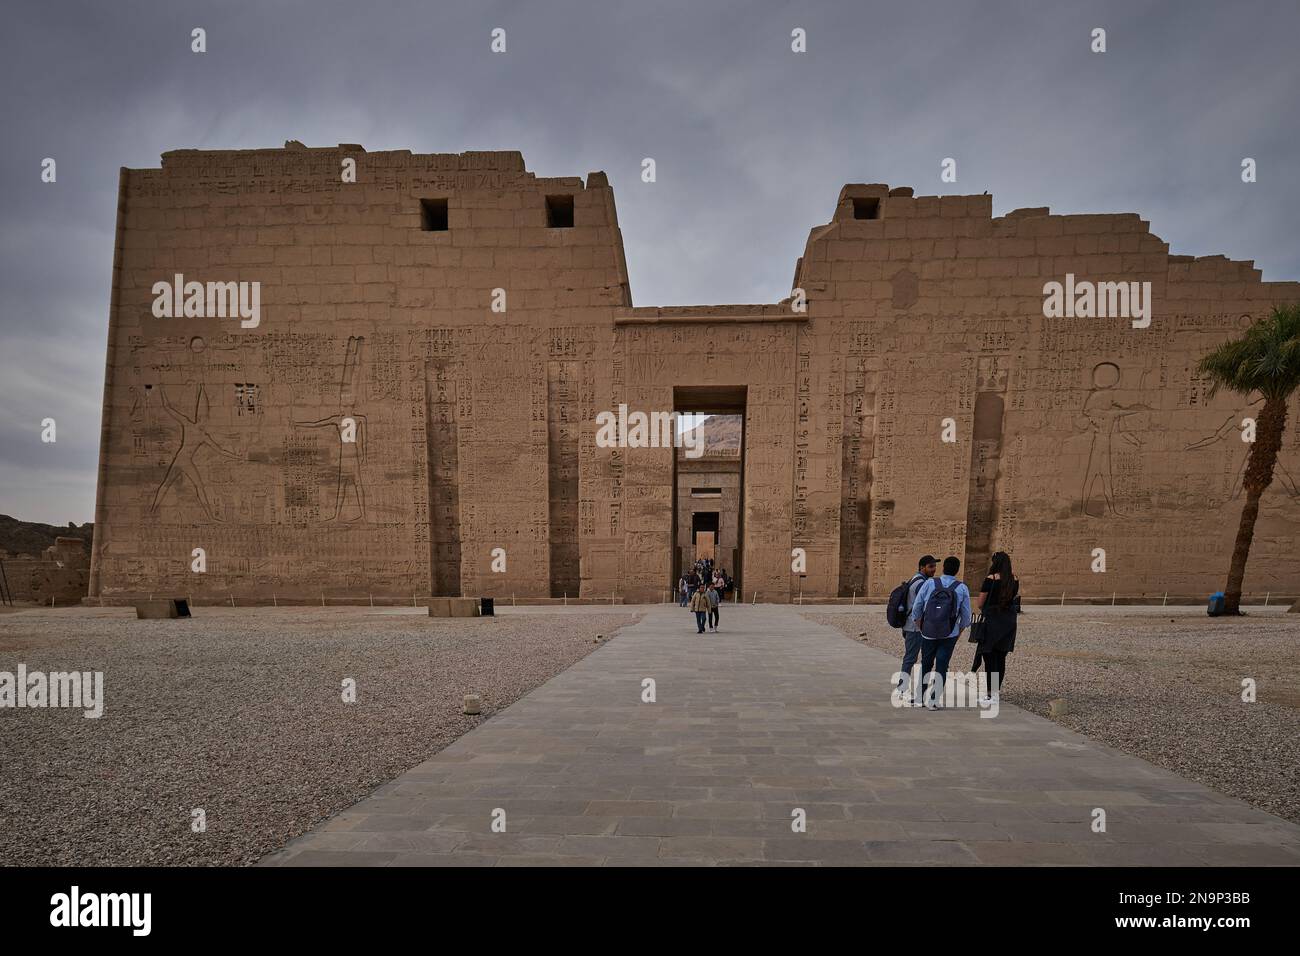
<point>1259,475</point>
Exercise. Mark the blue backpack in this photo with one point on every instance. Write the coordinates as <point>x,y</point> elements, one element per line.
<point>941,612</point>
<point>896,610</point>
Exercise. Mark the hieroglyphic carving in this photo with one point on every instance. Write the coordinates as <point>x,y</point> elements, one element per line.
<point>802,440</point>
<point>617,456</point>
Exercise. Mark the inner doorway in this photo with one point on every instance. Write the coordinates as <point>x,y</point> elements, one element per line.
<point>704,532</point>
<point>708,480</point>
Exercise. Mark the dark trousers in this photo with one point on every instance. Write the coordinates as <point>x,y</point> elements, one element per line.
<point>713,617</point>
<point>995,662</point>
<point>700,618</point>
<point>911,651</point>
<point>935,656</point>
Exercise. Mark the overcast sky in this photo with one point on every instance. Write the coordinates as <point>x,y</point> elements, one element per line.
<point>751,140</point>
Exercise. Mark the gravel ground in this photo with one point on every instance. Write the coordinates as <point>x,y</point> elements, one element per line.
<point>1162,684</point>
<point>239,712</point>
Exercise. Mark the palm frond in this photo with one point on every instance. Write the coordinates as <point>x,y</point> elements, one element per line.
<point>1265,359</point>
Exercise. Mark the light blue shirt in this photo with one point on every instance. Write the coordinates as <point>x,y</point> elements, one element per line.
<point>923,595</point>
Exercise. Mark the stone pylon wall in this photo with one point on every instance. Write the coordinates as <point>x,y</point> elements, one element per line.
<point>476,468</point>
<point>1072,434</point>
<point>228,438</point>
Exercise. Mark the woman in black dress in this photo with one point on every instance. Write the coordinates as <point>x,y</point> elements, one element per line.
<point>999,602</point>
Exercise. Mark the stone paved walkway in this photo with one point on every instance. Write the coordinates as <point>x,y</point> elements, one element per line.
<point>771,714</point>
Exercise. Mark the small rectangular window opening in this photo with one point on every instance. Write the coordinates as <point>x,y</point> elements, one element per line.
<point>559,211</point>
<point>433,215</point>
<point>706,492</point>
<point>866,207</point>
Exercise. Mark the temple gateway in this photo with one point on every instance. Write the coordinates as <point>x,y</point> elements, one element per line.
<point>415,410</point>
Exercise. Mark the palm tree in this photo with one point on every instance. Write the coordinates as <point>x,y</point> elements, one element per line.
<point>1266,360</point>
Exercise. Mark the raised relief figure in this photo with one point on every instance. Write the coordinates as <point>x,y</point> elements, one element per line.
<point>1103,417</point>
<point>194,437</point>
<point>350,429</point>
<point>1233,428</point>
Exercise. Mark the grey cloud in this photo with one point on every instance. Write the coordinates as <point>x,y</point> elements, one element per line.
<point>752,142</point>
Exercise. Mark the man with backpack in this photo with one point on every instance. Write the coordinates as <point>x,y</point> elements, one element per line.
<point>941,612</point>
<point>925,569</point>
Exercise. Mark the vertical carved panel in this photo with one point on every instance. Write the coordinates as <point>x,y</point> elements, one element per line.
<point>563,422</point>
<point>855,475</point>
<point>444,497</point>
<point>985,467</point>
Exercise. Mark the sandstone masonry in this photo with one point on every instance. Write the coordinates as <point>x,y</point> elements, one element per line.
<point>474,430</point>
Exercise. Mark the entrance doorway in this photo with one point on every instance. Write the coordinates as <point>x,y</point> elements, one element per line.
<point>704,532</point>
<point>708,479</point>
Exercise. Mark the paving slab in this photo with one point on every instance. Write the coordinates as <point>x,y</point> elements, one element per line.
<point>771,715</point>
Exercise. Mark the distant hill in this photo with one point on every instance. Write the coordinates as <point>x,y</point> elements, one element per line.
<point>722,434</point>
<point>30,537</point>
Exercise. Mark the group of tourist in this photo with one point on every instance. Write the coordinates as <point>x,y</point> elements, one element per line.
<point>935,612</point>
<point>703,589</point>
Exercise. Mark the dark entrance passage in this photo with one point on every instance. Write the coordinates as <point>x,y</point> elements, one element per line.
<point>709,479</point>
<point>704,534</point>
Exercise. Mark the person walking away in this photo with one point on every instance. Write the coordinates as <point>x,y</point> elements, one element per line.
<point>999,601</point>
<point>715,599</point>
<point>941,613</point>
<point>683,591</point>
<point>700,605</point>
<point>925,569</point>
